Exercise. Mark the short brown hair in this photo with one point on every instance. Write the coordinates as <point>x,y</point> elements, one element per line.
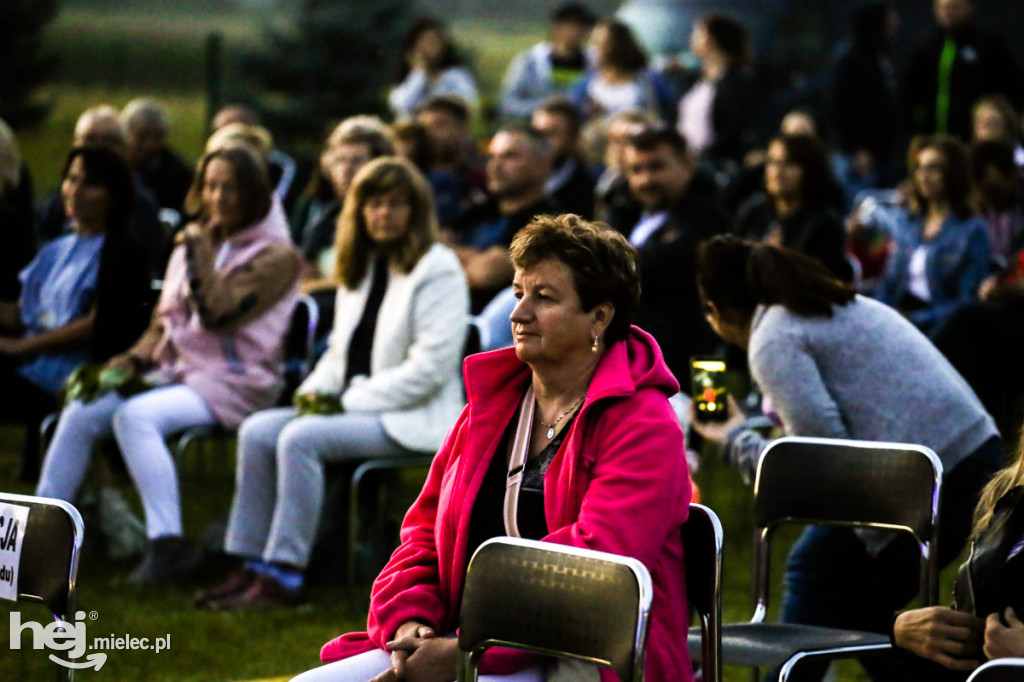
<point>603,264</point>
<point>561,106</point>
<point>648,137</point>
<point>364,129</point>
<point>378,177</point>
<point>451,105</point>
<point>250,174</point>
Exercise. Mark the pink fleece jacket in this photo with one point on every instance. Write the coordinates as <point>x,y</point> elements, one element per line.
<point>620,484</point>
<point>236,371</point>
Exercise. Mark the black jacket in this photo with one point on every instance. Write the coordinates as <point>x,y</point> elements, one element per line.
<point>124,297</point>
<point>168,179</point>
<point>17,237</point>
<point>815,231</point>
<point>670,307</point>
<point>862,102</point>
<point>982,66</point>
<point>989,581</point>
<point>576,194</point>
<point>732,114</point>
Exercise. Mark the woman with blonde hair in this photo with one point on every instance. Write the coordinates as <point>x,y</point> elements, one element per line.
<point>388,384</point>
<point>985,620</point>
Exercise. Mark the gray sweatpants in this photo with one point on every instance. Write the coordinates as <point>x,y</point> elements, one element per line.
<point>279,484</point>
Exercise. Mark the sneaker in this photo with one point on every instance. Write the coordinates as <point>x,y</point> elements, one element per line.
<point>170,558</point>
<point>264,594</point>
<point>238,581</point>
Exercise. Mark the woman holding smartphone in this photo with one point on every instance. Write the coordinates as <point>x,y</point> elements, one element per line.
<point>835,364</point>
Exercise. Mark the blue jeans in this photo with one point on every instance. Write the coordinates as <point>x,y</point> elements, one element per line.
<point>831,579</point>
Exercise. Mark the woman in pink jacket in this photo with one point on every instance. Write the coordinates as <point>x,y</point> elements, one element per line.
<point>604,466</point>
<point>213,353</point>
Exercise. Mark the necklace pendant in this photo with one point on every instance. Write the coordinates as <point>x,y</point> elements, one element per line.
<point>551,432</point>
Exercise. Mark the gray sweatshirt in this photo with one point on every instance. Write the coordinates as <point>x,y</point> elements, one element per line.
<point>866,373</point>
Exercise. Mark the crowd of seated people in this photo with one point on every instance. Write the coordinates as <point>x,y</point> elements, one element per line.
<point>899,323</point>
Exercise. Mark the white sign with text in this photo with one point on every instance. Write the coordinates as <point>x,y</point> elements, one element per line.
<point>13,521</point>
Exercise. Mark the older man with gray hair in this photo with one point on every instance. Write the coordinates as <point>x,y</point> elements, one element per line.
<point>155,165</point>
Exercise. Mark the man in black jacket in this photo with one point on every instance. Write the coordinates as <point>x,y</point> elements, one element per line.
<point>680,210</point>
<point>955,66</point>
<point>155,165</point>
<point>570,184</point>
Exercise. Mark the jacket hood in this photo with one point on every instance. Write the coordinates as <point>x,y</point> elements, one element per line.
<point>627,366</point>
<point>273,226</point>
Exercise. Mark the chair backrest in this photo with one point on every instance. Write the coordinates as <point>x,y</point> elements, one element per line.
<point>299,343</point>
<point>555,600</point>
<point>702,552</point>
<point>999,670</point>
<point>890,486</point>
<point>51,542</point>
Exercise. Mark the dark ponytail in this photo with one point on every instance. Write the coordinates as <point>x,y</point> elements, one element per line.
<point>738,275</point>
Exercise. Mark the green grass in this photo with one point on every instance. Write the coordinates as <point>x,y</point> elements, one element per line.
<point>204,645</point>
<point>212,646</point>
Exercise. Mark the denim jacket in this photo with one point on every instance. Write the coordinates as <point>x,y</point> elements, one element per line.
<point>959,258</point>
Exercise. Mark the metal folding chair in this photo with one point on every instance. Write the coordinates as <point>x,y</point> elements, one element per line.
<point>887,486</point>
<point>702,552</point>
<point>556,601</point>
<point>416,460</point>
<point>387,464</point>
<point>999,670</point>
<point>51,544</point>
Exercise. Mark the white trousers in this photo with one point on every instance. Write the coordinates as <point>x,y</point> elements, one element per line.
<point>365,667</point>
<point>140,425</point>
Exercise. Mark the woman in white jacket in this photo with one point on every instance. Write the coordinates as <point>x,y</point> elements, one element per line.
<point>387,385</point>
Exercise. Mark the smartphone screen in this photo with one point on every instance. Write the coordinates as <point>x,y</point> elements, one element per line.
<point>708,376</point>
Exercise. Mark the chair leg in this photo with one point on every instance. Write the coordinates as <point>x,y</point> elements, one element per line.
<point>465,669</point>
<point>369,465</point>
<point>353,526</point>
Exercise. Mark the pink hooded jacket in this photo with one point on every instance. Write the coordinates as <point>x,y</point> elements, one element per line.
<point>619,484</point>
<point>236,371</point>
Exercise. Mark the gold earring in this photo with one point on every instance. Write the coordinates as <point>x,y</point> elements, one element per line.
<point>593,347</point>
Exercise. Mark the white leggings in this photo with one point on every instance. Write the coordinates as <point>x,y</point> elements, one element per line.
<point>365,667</point>
<point>139,424</point>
